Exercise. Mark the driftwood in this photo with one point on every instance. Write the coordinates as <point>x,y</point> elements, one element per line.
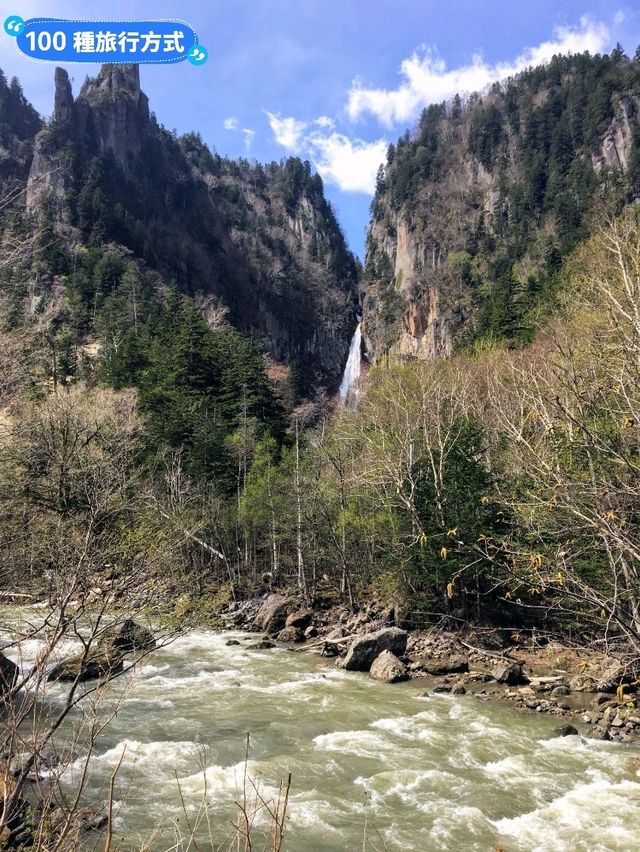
<point>16,595</point>
<point>501,655</point>
<point>321,642</point>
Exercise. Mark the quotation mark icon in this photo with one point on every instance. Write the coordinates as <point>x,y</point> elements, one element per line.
<point>14,25</point>
<point>198,55</point>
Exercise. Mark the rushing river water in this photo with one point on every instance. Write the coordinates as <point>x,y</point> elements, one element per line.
<point>374,767</point>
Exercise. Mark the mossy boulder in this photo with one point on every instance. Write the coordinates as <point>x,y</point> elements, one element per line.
<point>87,667</point>
<point>9,673</point>
<point>127,638</point>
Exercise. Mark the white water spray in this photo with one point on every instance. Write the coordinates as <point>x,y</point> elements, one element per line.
<point>351,375</point>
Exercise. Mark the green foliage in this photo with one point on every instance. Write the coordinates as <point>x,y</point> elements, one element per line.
<point>197,386</point>
<point>536,135</point>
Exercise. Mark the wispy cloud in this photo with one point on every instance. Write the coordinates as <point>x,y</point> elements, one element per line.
<point>428,80</point>
<point>249,136</point>
<point>287,131</point>
<point>325,121</point>
<point>230,123</point>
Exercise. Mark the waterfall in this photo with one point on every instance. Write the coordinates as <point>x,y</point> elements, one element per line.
<point>352,369</point>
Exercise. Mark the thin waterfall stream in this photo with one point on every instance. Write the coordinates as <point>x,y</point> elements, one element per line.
<point>352,370</point>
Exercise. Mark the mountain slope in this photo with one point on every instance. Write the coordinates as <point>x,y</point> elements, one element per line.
<point>475,211</point>
<point>260,243</point>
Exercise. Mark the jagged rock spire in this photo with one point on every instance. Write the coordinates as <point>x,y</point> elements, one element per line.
<point>63,102</point>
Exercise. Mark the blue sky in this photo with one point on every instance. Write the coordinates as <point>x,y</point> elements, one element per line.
<point>333,81</point>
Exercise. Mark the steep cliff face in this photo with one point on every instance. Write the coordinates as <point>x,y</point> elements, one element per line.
<point>19,123</point>
<point>475,210</point>
<point>261,241</point>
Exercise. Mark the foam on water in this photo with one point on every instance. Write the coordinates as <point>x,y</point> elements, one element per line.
<point>594,817</point>
<point>411,774</point>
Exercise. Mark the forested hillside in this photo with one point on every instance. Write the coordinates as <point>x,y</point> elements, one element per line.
<point>147,436</point>
<point>125,210</point>
<point>475,210</point>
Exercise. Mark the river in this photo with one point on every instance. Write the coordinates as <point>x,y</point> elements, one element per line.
<point>374,767</point>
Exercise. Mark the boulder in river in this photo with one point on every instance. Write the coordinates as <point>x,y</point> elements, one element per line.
<point>330,649</point>
<point>509,673</point>
<point>126,637</point>
<point>444,665</point>
<point>8,674</point>
<point>566,731</point>
<point>261,645</point>
<point>365,649</point>
<point>290,634</point>
<point>302,618</point>
<point>273,613</point>
<point>387,668</point>
<point>87,667</point>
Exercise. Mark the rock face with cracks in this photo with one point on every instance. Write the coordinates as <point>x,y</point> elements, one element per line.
<point>365,649</point>
<point>387,668</point>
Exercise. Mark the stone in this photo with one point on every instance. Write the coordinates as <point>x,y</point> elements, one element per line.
<point>230,642</point>
<point>301,619</point>
<point>311,632</point>
<point>582,683</point>
<point>619,721</point>
<point>91,667</point>
<point>527,692</point>
<point>336,633</point>
<point>126,638</point>
<point>273,613</point>
<point>330,649</point>
<point>548,682</point>
<point>458,689</point>
<point>510,673</point>
<point>612,676</point>
<point>290,635</point>
<point>9,673</point>
<point>365,649</point>
<point>262,645</point>
<point>602,698</point>
<point>445,665</point>
<point>566,731</point>
<point>387,668</point>
<point>559,691</point>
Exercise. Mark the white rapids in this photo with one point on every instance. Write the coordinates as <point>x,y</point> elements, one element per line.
<point>374,767</point>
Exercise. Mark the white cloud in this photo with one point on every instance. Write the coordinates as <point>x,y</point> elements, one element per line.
<point>287,131</point>
<point>325,121</point>
<point>619,17</point>
<point>248,137</point>
<point>428,80</point>
<point>230,123</point>
<point>351,164</point>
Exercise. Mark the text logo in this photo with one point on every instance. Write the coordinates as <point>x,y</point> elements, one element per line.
<point>106,41</point>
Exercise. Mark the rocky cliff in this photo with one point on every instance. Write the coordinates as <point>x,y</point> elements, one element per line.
<point>476,209</point>
<point>260,241</point>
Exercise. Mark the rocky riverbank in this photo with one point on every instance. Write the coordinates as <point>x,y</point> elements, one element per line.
<point>590,690</point>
